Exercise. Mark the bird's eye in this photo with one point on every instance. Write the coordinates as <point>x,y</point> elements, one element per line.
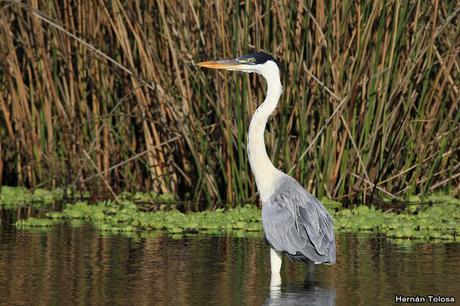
<point>251,60</point>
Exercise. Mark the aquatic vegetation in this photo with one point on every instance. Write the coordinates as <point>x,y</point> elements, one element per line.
<point>430,221</point>
<point>151,196</point>
<point>47,196</point>
<point>437,221</point>
<point>127,217</point>
<point>441,198</point>
<point>331,204</point>
<point>12,197</point>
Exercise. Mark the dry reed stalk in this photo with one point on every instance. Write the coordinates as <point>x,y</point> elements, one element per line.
<point>371,98</point>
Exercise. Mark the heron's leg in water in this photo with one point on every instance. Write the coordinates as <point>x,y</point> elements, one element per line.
<point>275,260</point>
<point>310,267</point>
<point>275,285</point>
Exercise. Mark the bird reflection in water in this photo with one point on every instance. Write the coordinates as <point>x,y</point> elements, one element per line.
<point>310,293</point>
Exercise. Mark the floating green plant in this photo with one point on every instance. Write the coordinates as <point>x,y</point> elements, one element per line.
<point>331,204</point>
<point>13,197</point>
<point>126,217</point>
<point>436,221</point>
<point>147,197</point>
<point>425,221</point>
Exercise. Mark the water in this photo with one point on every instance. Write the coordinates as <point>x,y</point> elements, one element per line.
<point>78,266</point>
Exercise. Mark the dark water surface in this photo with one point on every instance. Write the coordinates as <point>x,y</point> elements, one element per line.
<point>78,266</point>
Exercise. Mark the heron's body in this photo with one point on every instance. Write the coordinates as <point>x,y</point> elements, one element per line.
<point>294,221</point>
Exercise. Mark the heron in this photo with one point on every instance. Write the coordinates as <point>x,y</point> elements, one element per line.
<point>295,223</point>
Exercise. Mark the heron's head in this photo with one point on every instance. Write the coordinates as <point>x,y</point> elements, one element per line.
<point>258,62</point>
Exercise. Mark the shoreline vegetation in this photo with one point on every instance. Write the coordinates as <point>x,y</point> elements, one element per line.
<point>433,218</point>
<point>370,107</point>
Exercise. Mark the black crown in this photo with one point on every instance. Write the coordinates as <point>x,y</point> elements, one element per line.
<point>258,58</point>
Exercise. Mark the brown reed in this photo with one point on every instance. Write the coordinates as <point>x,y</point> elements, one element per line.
<point>102,95</point>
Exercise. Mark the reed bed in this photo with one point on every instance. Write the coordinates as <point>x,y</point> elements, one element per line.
<point>105,96</point>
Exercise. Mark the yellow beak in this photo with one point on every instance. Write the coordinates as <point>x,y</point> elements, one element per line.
<point>225,64</point>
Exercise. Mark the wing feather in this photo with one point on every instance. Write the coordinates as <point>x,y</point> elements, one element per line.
<point>297,223</point>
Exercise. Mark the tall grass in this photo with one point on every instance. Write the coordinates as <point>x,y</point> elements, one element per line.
<point>104,96</point>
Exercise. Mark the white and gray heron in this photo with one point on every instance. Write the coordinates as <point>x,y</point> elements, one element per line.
<point>294,221</point>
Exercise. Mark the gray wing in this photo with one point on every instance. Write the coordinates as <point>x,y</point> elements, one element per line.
<point>295,222</point>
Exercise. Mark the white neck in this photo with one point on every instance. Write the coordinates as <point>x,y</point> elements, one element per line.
<point>262,168</point>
